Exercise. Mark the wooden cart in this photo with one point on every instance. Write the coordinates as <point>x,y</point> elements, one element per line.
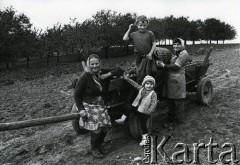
<point>118,94</point>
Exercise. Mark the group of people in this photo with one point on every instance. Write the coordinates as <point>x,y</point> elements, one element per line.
<point>93,113</point>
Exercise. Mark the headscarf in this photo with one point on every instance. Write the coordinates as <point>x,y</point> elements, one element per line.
<point>180,41</point>
<point>89,58</point>
<point>95,76</point>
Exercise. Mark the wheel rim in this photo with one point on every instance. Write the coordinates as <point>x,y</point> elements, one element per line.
<point>207,92</point>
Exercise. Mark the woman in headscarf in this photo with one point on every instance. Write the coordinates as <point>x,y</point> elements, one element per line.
<point>176,83</point>
<point>93,113</point>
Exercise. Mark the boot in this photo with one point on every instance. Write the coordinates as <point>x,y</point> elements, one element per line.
<point>95,145</point>
<point>102,148</point>
<point>171,114</point>
<point>180,111</point>
<point>144,138</point>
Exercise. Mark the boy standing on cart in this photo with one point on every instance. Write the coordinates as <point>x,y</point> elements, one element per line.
<point>144,46</point>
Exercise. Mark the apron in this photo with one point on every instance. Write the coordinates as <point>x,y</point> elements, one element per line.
<point>97,115</point>
<point>176,83</point>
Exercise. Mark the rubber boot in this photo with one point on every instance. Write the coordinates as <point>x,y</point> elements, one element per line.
<point>102,148</point>
<point>171,115</point>
<point>180,111</point>
<point>95,142</point>
<point>144,138</point>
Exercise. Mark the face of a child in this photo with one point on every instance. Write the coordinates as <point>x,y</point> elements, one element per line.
<point>142,26</point>
<point>177,47</point>
<point>94,65</point>
<point>148,85</point>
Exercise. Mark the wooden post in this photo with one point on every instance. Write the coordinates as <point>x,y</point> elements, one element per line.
<point>205,63</point>
<point>36,122</point>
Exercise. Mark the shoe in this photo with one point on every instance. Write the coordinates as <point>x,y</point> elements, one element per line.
<point>144,138</point>
<point>121,120</point>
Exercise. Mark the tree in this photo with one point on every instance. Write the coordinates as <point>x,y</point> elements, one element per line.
<point>181,28</point>
<point>210,29</point>
<point>53,41</point>
<point>16,36</point>
<point>105,22</point>
<point>168,27</point>
<point>156,25</point>
<point>122,24</point>
<point>195,30</point>
<point>227,32</point>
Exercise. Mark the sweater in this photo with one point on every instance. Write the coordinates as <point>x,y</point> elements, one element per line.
<point>146,97</point>
<point>87,90</point>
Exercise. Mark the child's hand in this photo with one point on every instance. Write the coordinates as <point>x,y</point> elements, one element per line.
<point>83,114</point>
<point>130,26</point>
<point>149,56</point>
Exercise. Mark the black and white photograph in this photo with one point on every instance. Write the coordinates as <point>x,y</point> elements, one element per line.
<point>128,82</point>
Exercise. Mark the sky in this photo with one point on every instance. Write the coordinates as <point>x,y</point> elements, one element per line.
<point>46,13</point>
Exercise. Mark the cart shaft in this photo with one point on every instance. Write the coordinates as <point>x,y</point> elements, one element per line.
<point>36,122</point>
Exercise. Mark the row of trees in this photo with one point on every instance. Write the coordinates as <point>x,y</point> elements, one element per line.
<point>105,29</point>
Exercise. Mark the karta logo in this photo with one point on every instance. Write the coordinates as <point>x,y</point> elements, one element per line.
<point>182,152</point>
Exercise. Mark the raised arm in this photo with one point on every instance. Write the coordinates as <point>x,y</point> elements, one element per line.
<point>133,83</point>
<point>105,73</point>
<point>126,35</point>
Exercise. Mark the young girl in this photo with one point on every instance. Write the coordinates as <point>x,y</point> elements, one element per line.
<point>145,102</point>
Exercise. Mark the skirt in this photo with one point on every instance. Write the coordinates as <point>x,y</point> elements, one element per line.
<point>97,117</point>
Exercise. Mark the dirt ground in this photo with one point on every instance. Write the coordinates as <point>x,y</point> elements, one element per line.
<point>35,93</point>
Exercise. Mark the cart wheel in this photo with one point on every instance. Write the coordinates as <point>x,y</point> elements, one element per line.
<point>75,123</point>
<point>204,91</point>
<point>135,126</point>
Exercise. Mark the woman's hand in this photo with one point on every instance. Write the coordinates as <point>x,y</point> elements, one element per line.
<point>106,75</point>
<point>160,64</point>
<point>85,68</point>
<point>83,114</point>
<point>149,56</point>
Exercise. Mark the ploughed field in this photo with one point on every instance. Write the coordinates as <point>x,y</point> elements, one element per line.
<point>35,93</point>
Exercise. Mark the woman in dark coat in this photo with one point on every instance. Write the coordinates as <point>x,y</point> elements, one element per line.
<point>89,102</point>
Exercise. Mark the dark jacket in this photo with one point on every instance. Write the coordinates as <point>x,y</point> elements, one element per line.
<point>87,90</point>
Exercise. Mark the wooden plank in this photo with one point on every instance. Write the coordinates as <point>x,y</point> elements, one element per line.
<point>36,122</point>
